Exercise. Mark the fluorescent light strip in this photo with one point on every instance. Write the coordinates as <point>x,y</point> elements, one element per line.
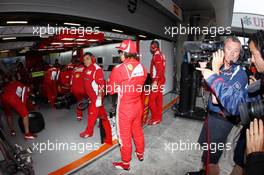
<point>56,43</point>
<point>68,39</point>
<point>10,38</point>
<point>68,43</point>
<point>4,51</point>
<point>92,40</point>
<point>142,36</point>
<point>72,24</point>
<point>115,30</point>
<point>45,36</point>
<point>16,22</point>
<point>81,39</point>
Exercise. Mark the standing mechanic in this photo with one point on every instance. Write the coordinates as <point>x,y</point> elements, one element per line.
<point>49,85</point>
<point>217,126</point>
<point>129,74</point>
<point>157,73</point>
<point>94,85</point>
<point>15,96</point>
<point>77,87</point>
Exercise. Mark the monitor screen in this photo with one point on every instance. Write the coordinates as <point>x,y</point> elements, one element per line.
<point>100,60</point>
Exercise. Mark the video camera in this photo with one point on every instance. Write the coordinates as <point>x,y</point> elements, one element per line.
<point>199,51</point>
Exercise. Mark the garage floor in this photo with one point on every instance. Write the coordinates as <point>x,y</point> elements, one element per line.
<point>158,159</point>
<point>61,126</point>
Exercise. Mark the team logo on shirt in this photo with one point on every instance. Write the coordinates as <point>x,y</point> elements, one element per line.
<point>89,72</point>
<point>130,67</point>
<point>77,75</point>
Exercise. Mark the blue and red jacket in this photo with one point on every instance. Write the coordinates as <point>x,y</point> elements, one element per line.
<point>228,95</point>
<point>236,78</point>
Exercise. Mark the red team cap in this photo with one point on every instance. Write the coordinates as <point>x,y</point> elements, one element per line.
<point>128,46</point>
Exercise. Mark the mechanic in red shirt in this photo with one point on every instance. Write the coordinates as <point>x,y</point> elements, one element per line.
<point>127,80</point>
<point>15,96</point>
<point>77,87</point>
<point>94,85</point>
<point>64,81</point>
<point>157,73</point>
<point>49,85</point>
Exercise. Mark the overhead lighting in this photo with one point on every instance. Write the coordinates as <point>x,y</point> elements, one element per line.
<point>142,36</point>
<point>80,43</point>
<point>23,51</point>
<point>4,51</point>
<point>68,39</point>
<point>72,24</point>
<point>41,49</point>
<point>68,43</point>
<point>56,43</point>
<point>9,38</point>
<point>108,39</point>
<point>81,39</point>
<point>92,40</point>
<point>115,30</point>
<point>45,36</point>
<point>16,22</point>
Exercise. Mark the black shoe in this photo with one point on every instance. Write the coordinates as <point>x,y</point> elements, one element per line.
<point>201,172</point>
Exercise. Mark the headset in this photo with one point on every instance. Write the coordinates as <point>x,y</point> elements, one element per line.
<point>154,44</point>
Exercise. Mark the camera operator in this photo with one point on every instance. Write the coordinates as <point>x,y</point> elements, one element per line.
<point>217,126</point>
<point>232,101</point>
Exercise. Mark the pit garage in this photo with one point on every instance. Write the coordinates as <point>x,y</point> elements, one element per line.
<point>40,37</point>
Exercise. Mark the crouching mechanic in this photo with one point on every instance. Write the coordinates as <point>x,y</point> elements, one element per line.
<point>129,74</point>
<point>232,100</point>
<point>217,126</point>
<point>94,85</point>
<point>15,96</point>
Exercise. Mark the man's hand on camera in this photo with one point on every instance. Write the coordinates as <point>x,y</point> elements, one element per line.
<point>218,61</point>
<point>206,72</point>
<point>203,64</point>
<point>255,137</point>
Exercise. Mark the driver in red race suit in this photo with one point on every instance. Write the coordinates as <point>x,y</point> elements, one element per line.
<point>131,73</point>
